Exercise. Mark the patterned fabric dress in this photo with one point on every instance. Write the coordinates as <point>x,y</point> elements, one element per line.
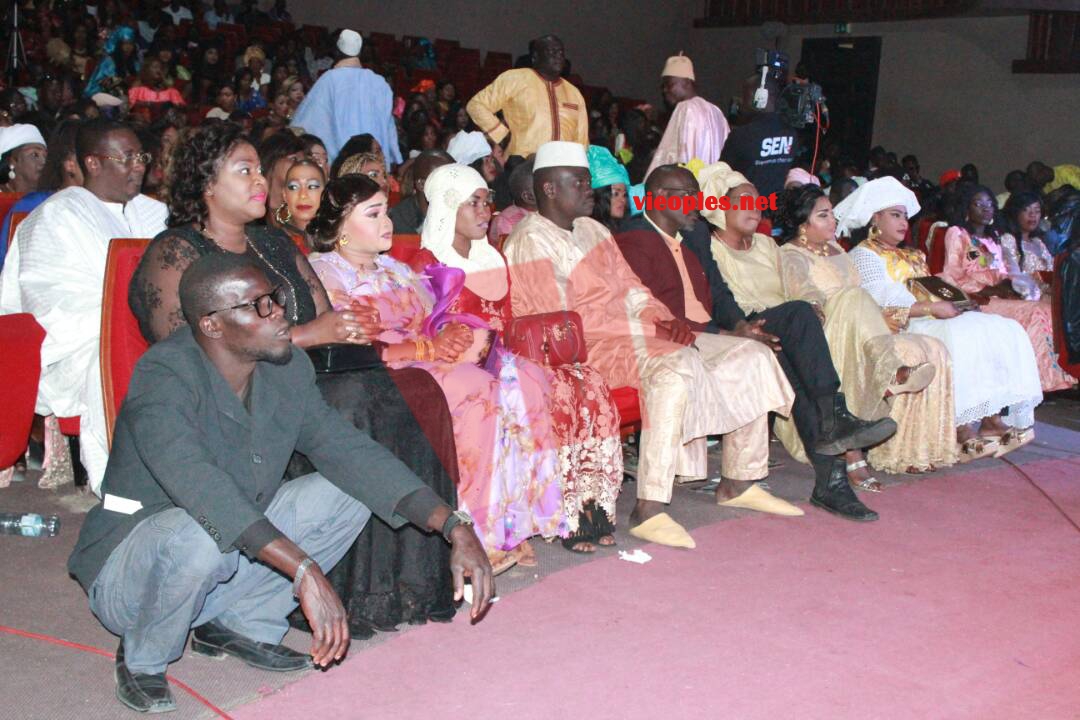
<point>867,354</point>
<point>507,450</point>
<point>973,264</point>
<point>584,416</point>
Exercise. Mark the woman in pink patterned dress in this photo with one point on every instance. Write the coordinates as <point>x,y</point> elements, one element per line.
<point>586,421</point>
<point>975,263</point>
<point>507,452</point>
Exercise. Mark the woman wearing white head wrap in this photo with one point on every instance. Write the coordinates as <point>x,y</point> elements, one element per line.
<point>751,265</point>
<point>994,365</point>
<point>447,189</point>
<point>585,420</point>
<point>22,158</point>
<point>906,376</point>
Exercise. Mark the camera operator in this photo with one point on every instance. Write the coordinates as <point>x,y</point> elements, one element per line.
<point>765,142</point>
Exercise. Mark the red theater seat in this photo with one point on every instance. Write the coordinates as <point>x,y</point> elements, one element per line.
<point>20,366</point>
<point>935,246</point>
<point>626,399</point>
<point>7,199</point>
<point>122,344</point>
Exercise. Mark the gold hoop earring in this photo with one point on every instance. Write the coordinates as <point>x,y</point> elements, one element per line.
<point>288,214</point>
<point>874,233</point>
<point>343,240</point>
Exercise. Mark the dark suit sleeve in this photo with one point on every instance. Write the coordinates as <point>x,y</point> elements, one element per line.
<point>169,439</point>
<point>351,460</point>
<point>726,313</point>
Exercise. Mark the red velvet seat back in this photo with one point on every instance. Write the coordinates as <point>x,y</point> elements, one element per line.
<point>7,200</point>
<point>935,258</point>
<point>121,342</point>
<point>20,366</point>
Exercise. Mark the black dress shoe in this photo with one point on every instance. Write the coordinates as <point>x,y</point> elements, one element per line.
<point>142,693</point>
<point>833,493</point>
<point>215,640</point>
<point>841,431</point>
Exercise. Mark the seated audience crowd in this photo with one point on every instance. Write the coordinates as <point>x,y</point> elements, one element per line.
<point>388,331</point>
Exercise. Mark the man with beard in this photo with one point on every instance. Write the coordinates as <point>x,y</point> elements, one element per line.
<point>197,529</point>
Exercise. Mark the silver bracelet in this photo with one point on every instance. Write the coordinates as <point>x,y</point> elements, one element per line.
<point>301,570</point>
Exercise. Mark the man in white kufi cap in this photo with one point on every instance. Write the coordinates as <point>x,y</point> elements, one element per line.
<point>561,259</point>
<point>697,128</point>
<point>350,100</point>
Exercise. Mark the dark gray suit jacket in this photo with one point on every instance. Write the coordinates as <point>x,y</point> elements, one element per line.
<point>183,439</point>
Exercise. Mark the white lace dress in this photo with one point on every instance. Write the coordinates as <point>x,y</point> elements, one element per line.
<point>994,365</point>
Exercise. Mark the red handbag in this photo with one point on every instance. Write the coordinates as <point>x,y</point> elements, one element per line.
<point>552,339</point>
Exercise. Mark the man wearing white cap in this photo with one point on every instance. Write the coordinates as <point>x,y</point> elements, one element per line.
<point>537,103</point>
<point>349,100</point>
<point>561,259</point>
<point>697,128</point>
<point>55,270</point>
<point>473,149</point>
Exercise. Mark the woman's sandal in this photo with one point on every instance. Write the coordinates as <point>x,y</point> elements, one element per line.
<point>870,484</point>
<point>603,528</point>
<point>980,446</point>
<point>582,535</point>
<point>1014,439</point>
<point>526,556</point>
<point>501,561</point>
<point>919,376</point>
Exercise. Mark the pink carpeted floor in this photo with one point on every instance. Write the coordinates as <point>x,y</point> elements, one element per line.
<point>963,601</point>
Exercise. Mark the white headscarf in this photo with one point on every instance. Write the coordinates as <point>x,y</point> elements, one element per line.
<point>447,188</point>
<point>18,135</point>
<point>856,209</point>
<point>717,180</point>
<point>468,147</point>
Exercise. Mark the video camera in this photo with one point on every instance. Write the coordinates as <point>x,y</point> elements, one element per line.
<point>800,103</point>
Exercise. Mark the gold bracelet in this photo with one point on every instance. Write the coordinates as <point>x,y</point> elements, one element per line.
<point>431,350</point>
<point>419,344</point>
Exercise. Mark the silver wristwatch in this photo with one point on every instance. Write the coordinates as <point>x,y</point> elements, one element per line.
<point>458,517</point>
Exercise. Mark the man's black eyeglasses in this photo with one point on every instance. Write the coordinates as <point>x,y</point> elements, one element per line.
<point>263,305</point>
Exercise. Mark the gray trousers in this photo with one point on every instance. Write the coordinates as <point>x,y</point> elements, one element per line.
<point>168,575</point>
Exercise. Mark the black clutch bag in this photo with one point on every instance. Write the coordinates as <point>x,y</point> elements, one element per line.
<point>344,358</point>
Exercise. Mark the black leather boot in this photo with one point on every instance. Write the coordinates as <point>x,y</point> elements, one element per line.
<point>833,493</point>
<point>841,431</point>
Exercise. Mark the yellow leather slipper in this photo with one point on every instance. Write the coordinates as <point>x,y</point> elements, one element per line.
<point>755,498</point>
<point>662,530</point>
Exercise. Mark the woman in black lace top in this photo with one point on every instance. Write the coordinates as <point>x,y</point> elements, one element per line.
<point>216,190</point>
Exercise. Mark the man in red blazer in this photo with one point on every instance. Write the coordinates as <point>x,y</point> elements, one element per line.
<point>669,252</point>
